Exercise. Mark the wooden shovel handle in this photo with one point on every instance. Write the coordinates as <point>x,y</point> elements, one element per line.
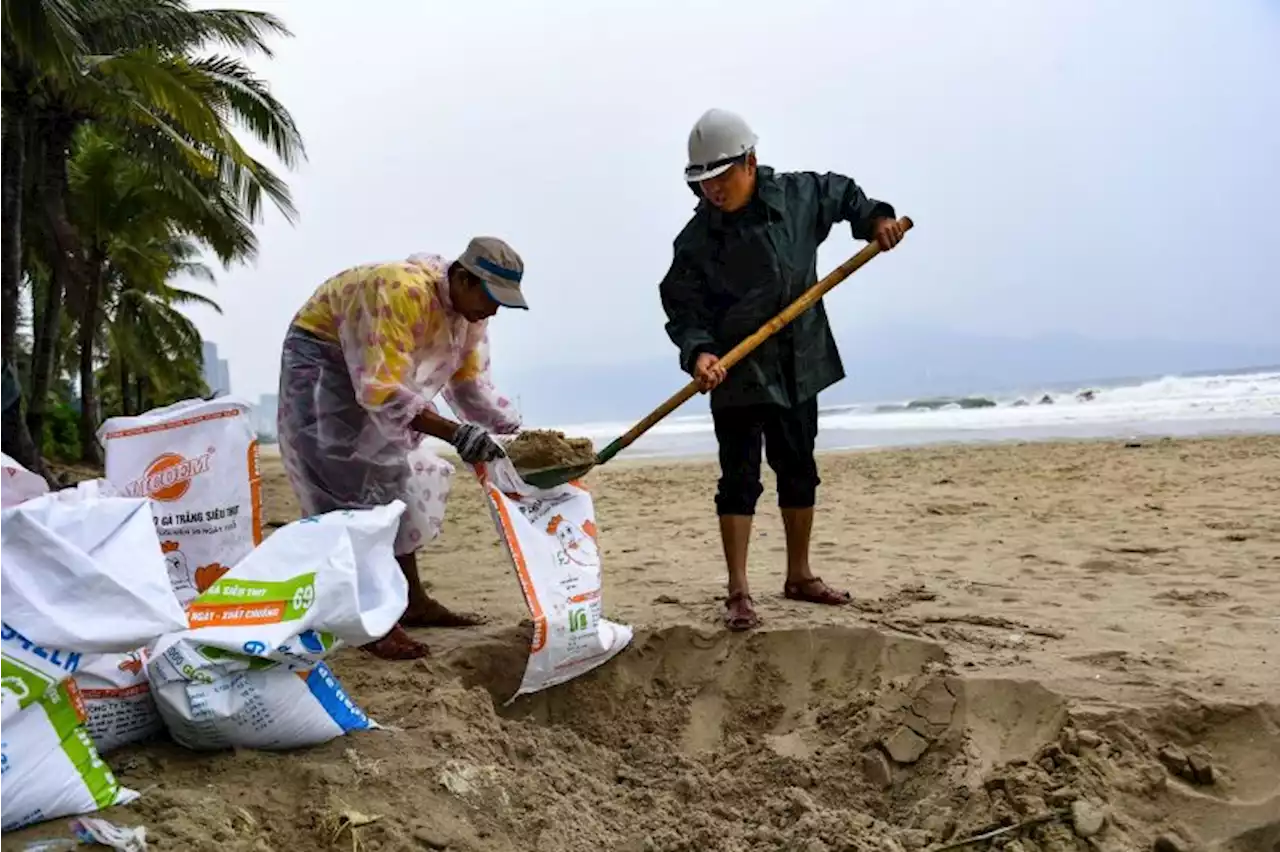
<point>806,300</point>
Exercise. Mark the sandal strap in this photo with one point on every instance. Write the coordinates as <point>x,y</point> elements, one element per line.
<point>809,583</point>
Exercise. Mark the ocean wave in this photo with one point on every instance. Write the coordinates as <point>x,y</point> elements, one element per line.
<point>1223,397</point>
<point>1214,397</point>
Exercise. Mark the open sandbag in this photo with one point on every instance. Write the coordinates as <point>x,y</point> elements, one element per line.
<point>248,672</point>
<point>552,539</point>
<point>85,573</point>
<point>114,687</point>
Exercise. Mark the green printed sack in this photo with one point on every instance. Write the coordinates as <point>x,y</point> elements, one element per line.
<point>249,672</point>
<point>29,671</point>
<point>50,766</point>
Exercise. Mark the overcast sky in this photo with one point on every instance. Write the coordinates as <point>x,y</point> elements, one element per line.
<point>1093,166</point>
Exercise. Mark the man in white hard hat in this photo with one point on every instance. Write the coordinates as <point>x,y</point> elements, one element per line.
<point>749,250</point>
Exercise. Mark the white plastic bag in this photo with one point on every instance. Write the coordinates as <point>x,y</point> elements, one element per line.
<point>198,463</point>
<point>113,686</point>
<point>551,537</point>
<point>17,484</point>
<point>248,672</point>
<point>117,697</point>
<point>86,489</point>
<point>50,766</point>
<point>85,573</point>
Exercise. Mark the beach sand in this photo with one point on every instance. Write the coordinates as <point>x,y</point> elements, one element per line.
<point>1035,627</point>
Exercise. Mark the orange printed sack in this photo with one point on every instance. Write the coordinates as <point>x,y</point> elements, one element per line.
<point>198,463</point>
<point>552,539</point>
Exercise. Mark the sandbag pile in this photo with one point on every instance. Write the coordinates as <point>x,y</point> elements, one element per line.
<point>148,601</point>
<point>139,603</point>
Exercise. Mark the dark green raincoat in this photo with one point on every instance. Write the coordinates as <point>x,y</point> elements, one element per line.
<point>733,272</point>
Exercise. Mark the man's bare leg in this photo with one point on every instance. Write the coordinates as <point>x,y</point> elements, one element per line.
<point>425,611</point>
<point>422,611</point>
<point>735,535</point>
<point>798,525</point>
<point>801,583</point>
<point>399,645</point>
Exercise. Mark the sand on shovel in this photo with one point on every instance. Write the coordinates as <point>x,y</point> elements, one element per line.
<point>538,449</point>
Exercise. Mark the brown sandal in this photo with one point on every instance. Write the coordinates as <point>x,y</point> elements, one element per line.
<point>815,591</point>
<point>397,645</point>
<point>739,614</point>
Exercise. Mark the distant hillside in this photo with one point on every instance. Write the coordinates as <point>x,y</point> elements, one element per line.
<point>890,364</point>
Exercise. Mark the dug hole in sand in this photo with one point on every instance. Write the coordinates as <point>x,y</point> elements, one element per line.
<point>833,738</point>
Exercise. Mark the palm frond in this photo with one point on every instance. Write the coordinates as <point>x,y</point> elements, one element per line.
<point>250,183</point>
<point>251,104</point>
<point>178,296</point>
<point>196,272</point>
<point>128,113</point>
<point>169,87</point>
<point>41,37</point>
<point>172,26</point>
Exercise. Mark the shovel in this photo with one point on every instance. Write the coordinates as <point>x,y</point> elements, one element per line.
<point>550,477</point>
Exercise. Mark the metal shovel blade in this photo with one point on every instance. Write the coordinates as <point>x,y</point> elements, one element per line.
<point>550,477</point>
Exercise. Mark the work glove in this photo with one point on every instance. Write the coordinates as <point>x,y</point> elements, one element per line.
<point>474,445</point>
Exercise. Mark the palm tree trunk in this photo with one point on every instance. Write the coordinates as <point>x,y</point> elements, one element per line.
<point>45,346</point>
<point>88,386</point>
<point>14,438</point>
<point>126,404</point>
<point>67,267</point>
<point>61,342</point>
<point>13,151</point>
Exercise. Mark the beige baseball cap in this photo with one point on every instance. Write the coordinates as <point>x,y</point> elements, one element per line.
<point>499,267</point>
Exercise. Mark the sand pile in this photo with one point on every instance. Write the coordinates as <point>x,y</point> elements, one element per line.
<point>538,449</point>
<point>817,740</point>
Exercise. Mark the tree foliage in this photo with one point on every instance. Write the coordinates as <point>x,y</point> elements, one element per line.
<point>122,166</point>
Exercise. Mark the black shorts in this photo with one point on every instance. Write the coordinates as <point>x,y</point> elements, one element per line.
<point>787,435</point>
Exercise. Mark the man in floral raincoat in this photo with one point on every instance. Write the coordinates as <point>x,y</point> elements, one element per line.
<point>363,360</point>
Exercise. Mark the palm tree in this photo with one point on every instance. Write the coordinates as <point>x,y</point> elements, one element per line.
<point>137,232</point>
<point>133,70</point>
<point>178,111</point>
<point>38,39</point>
<point>143,318</point>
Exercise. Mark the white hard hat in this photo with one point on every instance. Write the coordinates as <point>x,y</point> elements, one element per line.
<point>718,139</point>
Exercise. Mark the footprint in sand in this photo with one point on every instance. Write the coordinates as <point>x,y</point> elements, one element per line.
<point>1192,597</point>
<point>1110,566</point>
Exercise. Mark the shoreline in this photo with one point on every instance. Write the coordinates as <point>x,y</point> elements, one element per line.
<point>1192,430</point>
